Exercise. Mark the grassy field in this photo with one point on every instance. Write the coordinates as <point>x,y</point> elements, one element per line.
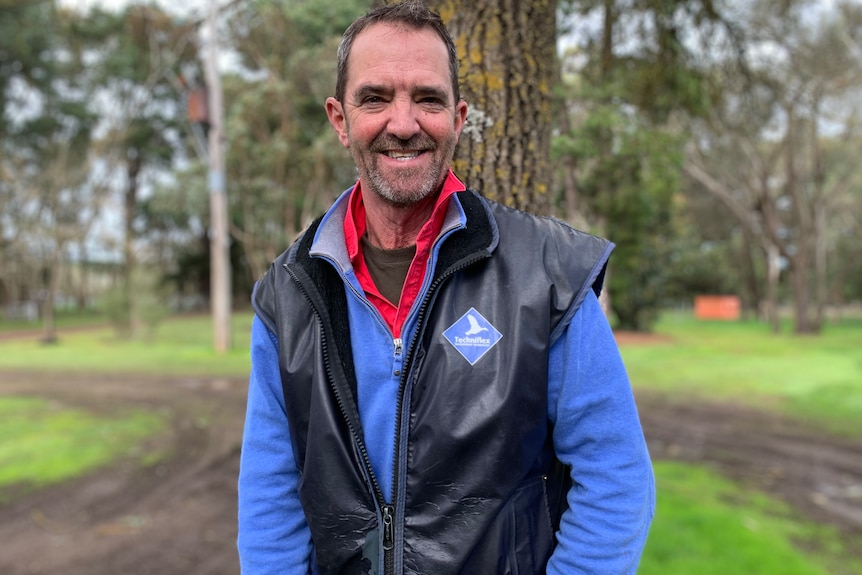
<point>816,378</point>
<point>704,524</point>
<point>177,346</point>
<point>64,319</point>
<point>45,442</point>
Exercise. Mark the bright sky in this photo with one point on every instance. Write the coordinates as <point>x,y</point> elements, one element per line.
<point>173,6</point>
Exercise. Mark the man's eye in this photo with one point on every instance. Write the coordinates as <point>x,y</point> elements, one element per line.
<point>431,100</point>
<point>372,100</point>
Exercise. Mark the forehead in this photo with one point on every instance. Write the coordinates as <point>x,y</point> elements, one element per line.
<point>397,54</point>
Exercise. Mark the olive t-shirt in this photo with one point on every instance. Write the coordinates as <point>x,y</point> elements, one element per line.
<point>388,268</point>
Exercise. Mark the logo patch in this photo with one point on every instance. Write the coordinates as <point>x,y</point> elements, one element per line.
<point>472,335</point>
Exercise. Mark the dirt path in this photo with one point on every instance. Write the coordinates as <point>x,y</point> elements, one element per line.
<point>818,474</point>
<point>179,517</point>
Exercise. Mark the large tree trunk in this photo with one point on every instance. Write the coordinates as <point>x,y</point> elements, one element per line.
<point>507,53</point>
<point>82,290</point>
<point>801,296</point>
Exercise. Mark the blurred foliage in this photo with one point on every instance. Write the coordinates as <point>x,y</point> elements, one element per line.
<point>285,162</point>
<point>95,124</point>
<point>25,38</point>
<point>141,316</point>
<point>767,150</point>
<point>644,82</point>
<point>624,140</point>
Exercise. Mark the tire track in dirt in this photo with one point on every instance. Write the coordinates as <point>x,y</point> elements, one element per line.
<point>818,474</point>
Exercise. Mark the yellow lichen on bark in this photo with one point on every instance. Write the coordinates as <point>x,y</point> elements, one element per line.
<point>446,9</point>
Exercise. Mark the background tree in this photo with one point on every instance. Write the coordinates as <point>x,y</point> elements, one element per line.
<point>715,143</point>
<point>137,56</point>
<point>25,62</point>
<point>284,161</point>
<point>773,172</point>
<point>844,228</point>
<point>47,138</point>
<point>629,84</point>
<point>25,53</point>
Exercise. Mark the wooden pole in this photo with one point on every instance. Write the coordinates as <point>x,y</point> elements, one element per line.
<point>220,274</point>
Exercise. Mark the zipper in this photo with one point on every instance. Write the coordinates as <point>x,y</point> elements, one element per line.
<point>388,527</point>
<point>388,554</point>
<point>388,511</point>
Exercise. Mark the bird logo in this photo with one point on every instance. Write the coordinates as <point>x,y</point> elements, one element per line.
<point>472,335</point>
<point>475,328</point>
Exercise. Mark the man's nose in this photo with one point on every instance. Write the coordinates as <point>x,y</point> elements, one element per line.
<point>403,120</point>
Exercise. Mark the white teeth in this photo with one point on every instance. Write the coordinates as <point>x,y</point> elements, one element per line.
<point>402,155</point>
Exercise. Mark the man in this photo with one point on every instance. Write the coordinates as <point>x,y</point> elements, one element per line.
<point>434,388</point>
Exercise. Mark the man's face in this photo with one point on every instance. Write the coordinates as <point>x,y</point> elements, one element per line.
<point>399,118</point>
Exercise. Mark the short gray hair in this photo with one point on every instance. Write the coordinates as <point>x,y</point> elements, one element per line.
<point>410,13</point>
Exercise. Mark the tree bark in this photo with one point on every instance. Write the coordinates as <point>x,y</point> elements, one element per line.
<point>507,54</point>
<point>773,275</point>
<point>749,252</point>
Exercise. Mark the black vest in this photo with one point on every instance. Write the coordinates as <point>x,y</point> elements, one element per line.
<point>478,488</point>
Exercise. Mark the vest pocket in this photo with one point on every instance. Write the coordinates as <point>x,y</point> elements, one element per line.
<point>521,538</point>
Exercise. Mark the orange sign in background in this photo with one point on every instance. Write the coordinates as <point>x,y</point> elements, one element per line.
<point>726,307</point>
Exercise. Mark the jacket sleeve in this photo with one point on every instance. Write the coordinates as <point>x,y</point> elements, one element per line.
<point>597,432</point>
<point>273,534</point>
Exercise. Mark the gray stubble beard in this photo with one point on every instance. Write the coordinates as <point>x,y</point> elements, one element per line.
<point>383,187</point>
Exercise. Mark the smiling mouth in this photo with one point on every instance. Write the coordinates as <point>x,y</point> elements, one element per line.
<point>402,155</point>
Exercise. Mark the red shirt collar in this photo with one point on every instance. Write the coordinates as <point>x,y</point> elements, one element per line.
<point>354,222</point>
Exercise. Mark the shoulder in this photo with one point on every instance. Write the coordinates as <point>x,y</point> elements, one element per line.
<point>276,280</point>
<point>572,261</point>
<point>560,245</point>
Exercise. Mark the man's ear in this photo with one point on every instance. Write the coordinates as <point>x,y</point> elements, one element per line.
<point>460,117</point>
<point>335,113</point>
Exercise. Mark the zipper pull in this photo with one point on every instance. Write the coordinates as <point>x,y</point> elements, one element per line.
<point>398,345</point>
<point>388,527</point>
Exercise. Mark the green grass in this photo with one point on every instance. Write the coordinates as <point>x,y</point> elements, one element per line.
<point>63,319</point>
<point>706,525</point>
<point>182,345</point>
<point>45,442</point>
<point>816,378</point>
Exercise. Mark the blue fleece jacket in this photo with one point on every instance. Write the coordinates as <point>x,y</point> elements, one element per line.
<point>596,432</point>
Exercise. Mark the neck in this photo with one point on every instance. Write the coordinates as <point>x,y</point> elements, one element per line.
<point>392,227</point>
